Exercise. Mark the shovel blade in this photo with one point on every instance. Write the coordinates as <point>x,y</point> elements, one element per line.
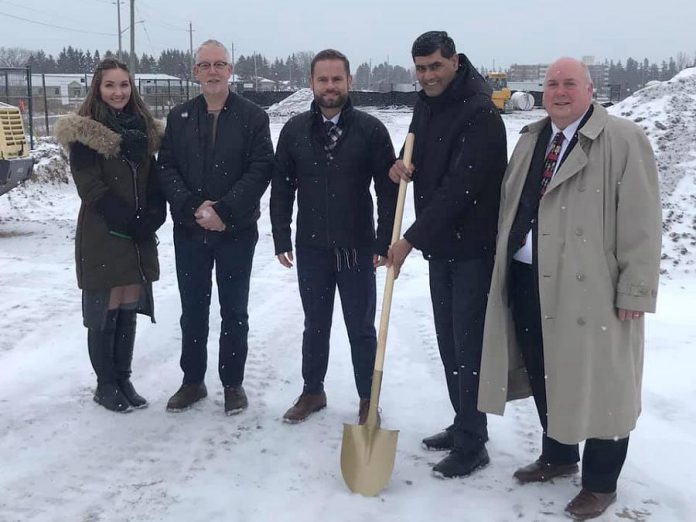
<point>367,457</point>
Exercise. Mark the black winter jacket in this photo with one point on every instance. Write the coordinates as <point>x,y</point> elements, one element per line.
<point>235,172</point>
<point>460,156</point>
<point>334,203</point>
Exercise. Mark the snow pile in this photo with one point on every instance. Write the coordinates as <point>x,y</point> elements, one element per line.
<point>51,162</point>
<point>48,195</point>
<point>293,104</point>
<point>667,113</point>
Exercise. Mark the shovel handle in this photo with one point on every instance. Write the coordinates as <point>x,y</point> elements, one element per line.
<point>388,290</point>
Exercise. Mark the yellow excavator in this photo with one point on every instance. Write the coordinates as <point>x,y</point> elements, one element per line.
<point>501,94</point>
<point>16,163</point>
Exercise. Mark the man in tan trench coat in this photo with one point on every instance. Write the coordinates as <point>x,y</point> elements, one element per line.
<point>577,266</point>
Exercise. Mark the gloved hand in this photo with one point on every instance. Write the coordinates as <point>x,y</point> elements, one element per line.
<point>116,212</point>
<point>141,226</point>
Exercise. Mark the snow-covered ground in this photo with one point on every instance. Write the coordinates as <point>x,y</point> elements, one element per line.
<point>63,458</point>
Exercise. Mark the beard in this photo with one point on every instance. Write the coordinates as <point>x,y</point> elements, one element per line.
<point>338,101</point>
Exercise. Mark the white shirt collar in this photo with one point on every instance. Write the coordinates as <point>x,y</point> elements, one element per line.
<point>570,130</point>
<point>334,120</point>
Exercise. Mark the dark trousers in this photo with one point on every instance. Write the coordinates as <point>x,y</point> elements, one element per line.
<point>602,459</point>
<point>232,258</point>
<point>319,272</point>
<point>459,293</point>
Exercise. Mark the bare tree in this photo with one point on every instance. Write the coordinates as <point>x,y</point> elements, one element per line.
<point>304,62</point>
<point>14,56</point>
<point>682,60</point>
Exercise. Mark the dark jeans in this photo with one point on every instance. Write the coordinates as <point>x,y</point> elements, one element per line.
<point>232,258</point>
<point>318,276</point>
<point>459,293</point>
<point>602,459</point>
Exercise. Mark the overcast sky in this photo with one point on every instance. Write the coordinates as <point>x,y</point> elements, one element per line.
<point>531,31</point>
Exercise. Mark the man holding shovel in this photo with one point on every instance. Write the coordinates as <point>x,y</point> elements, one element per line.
<point>458,164</point>
<point>330,155</point>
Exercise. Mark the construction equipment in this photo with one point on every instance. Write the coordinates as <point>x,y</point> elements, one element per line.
<point>16,163</point>
<point>368,451</point>
<point>501,94</point>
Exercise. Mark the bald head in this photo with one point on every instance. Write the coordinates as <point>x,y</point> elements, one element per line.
<point>567,91</point>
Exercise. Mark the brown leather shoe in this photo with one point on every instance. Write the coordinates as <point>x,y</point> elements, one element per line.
<point>540,471</point>
<point>186,396</point>
<point>304,406</point>
<point>235,400</point>
<point>588,505</point>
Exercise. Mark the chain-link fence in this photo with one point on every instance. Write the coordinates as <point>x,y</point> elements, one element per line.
<point>15,89</point>
<point>42,98</point>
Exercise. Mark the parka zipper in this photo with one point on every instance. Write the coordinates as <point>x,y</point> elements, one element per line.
<point>134,172</point>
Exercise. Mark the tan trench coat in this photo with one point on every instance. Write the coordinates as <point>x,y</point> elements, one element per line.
<point>599,249</point>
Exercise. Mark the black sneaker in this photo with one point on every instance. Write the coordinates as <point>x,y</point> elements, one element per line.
<point>186,396</point>
<point>440,441</point>
<point>460,464</point>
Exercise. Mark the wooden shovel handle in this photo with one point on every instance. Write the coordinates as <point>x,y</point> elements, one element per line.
<point>389,289</point>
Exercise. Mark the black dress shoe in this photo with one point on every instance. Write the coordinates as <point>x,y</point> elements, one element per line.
<point>461,464</point>
<point>541,471</point>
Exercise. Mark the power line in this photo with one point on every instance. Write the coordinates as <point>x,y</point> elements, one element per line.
<point>72,29</point>
<point>144,4</point>
<point>49,13</point>
<point>167,26</point>
<point>144,27</point>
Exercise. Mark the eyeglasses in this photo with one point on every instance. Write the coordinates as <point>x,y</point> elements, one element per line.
<point>205,66</point>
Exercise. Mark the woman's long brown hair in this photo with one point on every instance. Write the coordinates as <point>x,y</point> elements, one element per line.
<point>94,107</point>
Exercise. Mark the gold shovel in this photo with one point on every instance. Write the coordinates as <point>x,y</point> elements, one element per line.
<point>368,452</point>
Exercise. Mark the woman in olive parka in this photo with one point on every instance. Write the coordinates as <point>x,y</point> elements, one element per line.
<point>111,142</point>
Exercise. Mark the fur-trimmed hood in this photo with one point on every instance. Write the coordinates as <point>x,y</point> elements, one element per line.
<point>98,137</point>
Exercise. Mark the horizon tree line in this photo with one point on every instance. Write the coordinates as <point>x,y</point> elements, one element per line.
<point>294,70</point>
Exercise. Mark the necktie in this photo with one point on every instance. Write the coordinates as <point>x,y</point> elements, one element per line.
<point>550,162</point>
<point>333,133</point>
<point>549,168</point>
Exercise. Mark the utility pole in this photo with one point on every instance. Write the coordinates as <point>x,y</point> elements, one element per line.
<point>234,84</point>
<point>118,14</point>
<point>191,46</point>
<point>256,74</point>
<point>132,36</point>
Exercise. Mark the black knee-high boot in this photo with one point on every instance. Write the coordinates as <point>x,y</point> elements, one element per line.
<point>123,355</point>
<point>101,353</point>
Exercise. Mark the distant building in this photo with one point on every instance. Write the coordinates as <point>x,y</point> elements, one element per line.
<point>526,73</point>
<point>522,74</point>
<point>72,87</point>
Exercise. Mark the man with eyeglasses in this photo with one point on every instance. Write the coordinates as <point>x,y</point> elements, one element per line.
<point>215,163</point>
<point>458,164</point>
